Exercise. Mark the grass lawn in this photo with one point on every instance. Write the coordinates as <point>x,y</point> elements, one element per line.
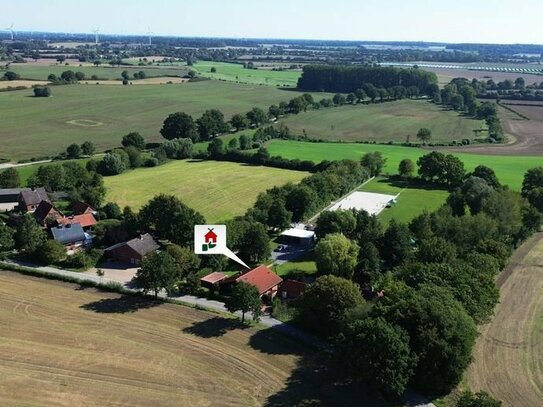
<point>34,127</point>
<point>391,121</point>
<point>509,169</point>
<point>218,190</point>
<point>236,73</point>
<point>306,264</point>
<point>34,71</point>
<point>412,201</point>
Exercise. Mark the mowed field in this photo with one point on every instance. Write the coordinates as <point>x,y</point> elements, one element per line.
<point>509,169</point>
<point>66,345</point>
<point>236,73</point>
<point>391,121</point>
<point>218,190</point>
<point>508,356</point>
<point>41,71</point>
<point>34,127</point>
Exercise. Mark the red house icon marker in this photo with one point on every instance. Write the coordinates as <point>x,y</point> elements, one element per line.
<point>210,237</point>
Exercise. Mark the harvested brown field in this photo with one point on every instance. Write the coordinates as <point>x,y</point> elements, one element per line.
<point>28,84</point>
<point>527,135</point>
<point>159,80</point>
<point>508,357</point>
<point>445,75</point>
<point>66,345</point>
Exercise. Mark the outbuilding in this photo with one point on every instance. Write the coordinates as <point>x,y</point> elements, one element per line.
<point>132,251</point>
<point>297,236</point>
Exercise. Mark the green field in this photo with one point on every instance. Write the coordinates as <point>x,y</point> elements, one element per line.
<point>412,200</point>
<point>35,127</point>
<point>509,169</point>
<point>41,72</point>
<point>392,121</point>
<point>218,190</point>
<point>236,73</point>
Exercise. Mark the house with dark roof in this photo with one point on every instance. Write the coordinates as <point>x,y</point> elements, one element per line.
<point>72,237</point>
<point>46,214</point>
<point>291,289</point>
<point>82,208</point>
<point>86,220</point>
<point>262,277</point>
<point>132,251</point>
<point>29,200</point>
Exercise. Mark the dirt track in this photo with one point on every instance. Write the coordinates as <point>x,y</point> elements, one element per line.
<point>508,357</point>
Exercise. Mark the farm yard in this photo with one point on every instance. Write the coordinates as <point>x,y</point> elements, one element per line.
<point>392,121</point>
<point>508,354</point>
<point>33,127</point>
<point>218,190</point>
<point>509,169</point>
<point>67,345</point>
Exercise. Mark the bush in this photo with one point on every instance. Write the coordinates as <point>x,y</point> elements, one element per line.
<point>51,252</point>
<point>42,91</point>
<point>78,260</point>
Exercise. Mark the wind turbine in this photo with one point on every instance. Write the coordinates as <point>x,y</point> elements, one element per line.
<point>10,29</point>
<point>96,31</point>
<point>149,33</point>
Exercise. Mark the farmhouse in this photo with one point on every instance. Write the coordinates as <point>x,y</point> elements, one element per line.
<point>29,200</point>
<point>82,208</point>
<point>291,289</point>
<point>132,251</point>
<point>265,280</point>
<point>9,197</point>
<point>86,220</point>
<point>46,214</point>
<point>71,236</point>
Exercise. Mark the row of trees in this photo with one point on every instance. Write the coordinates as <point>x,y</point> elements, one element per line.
<point>426,284</point>
<point>346,79</point>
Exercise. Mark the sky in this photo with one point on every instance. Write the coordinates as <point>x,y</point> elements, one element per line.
<point>474,21</point>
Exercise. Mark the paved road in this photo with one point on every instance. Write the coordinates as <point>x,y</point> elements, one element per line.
<point>10,165</point>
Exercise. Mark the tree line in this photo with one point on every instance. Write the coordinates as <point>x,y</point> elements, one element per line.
<point>402,303</point>
<point>346,79</point>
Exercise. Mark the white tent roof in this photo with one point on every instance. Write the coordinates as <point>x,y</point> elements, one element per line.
<point>300,233</point>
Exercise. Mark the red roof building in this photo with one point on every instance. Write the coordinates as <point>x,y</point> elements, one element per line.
<point>290,289</point>
<point>86,220</point>
<point>265,280</point>
<point>213,279</point>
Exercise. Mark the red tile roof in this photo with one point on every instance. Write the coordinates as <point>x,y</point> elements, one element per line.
<point>261,277</point>
<point>214,277</point>
<point>86,220</point>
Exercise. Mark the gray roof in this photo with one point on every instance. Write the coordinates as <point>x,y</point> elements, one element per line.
<point>35,196</point>
<point>68,234</point>
<point>12,191</point>
<point>142,245</point>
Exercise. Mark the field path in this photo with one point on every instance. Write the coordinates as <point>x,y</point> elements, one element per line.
<point>508,356</point>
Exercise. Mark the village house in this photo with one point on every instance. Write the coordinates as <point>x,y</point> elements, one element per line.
<point>291,289</point>
<point>71,236</point>
<point>46,214</point>
<point>29,200</point>
<point>86,220</point>
<point>264,279</point>
<point>82,208</point>
<point>213,280</point>
<point>132,251</point>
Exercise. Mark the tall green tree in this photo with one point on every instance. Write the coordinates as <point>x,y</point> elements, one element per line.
<point>245,298</point>
<point>9,178</point>
<point>134,139</point>
<point>424,134</point>
<point>257,116</point>
<point>378,353</point>
<point>337,255</point>
<point>29,236</point>
<point>186,262</point>
<point>211,124</point>
<point>239,122</point>
<point>7,241</point>
<point>179,125</point>
<point>406,168</point>
<point>88,148</point>
<point>374,162</point>
<point>158,272</point>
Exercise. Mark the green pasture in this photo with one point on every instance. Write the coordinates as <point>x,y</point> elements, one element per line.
<point>219,190</point>
<point>392,121</point>
<point>509,169</point>
<point>36,127</point>
<point>236,73</point>
<point>412,199</point>
<point>41,72</point>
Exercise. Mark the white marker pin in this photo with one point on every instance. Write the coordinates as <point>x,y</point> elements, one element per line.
<point>211,239</point>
